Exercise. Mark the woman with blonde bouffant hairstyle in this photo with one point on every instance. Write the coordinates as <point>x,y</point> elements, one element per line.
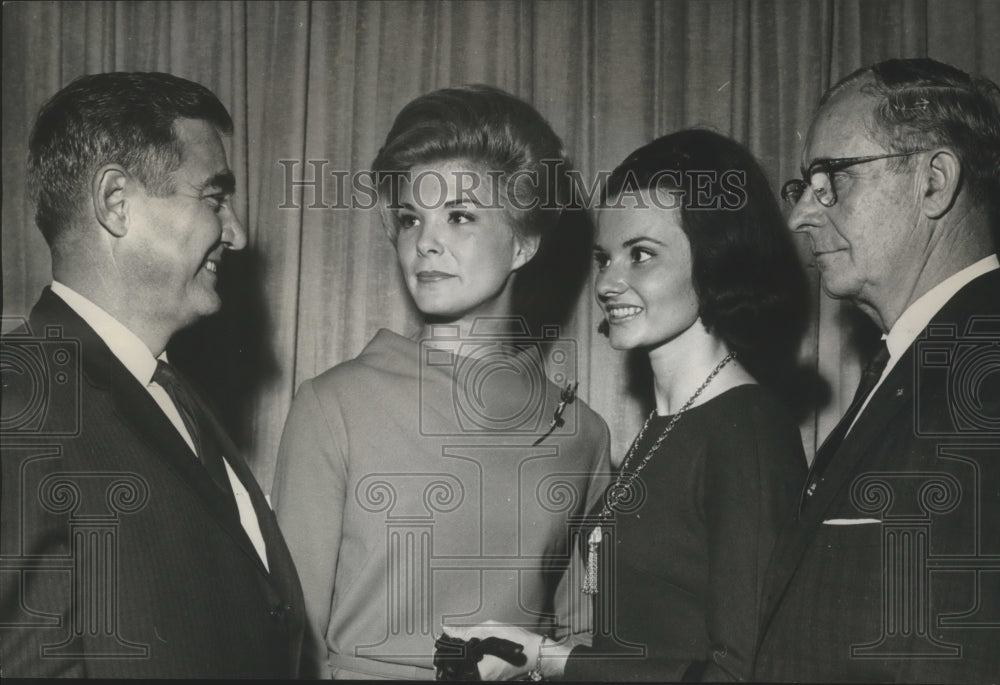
<point>434,476</point>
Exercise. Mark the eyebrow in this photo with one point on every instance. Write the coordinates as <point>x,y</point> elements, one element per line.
<point>632,241</point>
<point>806,169</point>
<point>824,162</point>
<point>464,200</point>
<point>224,181</point>
<point>447,205</point>
<point>638,239</point>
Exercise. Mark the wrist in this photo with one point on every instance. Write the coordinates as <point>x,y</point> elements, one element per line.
<point>550,659</point>
<point>536,673</point>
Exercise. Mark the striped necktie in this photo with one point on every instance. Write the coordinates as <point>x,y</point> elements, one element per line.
<point>199,426</point>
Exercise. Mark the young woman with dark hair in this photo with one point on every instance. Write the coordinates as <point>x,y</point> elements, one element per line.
<point>696,269</point>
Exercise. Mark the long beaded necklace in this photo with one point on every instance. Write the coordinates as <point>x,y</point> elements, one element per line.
<point>623,483</point>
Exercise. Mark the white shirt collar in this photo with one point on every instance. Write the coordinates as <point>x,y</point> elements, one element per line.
<point>916,317</point>
<point>122,342</point>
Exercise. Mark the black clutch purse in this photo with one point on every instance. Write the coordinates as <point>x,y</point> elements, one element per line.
<point>457,659</point>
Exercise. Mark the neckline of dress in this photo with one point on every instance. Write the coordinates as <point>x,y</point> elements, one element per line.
<point>658,418</point>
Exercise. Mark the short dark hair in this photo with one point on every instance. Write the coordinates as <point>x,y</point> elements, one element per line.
<point>924,103</point>
<point>751,285</point>
<point>121,118</point>
<point>486,127</point>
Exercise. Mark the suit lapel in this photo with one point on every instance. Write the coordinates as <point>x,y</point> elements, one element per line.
<point>892,397</point>
<point>895,395</point>
<point>139,411</point>
<point>280,568</point>
<point>261,508</point>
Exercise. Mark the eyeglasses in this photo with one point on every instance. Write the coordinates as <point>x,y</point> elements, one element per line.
<point>820,179</point>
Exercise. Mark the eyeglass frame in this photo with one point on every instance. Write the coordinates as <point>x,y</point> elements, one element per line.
<point>828,166</point>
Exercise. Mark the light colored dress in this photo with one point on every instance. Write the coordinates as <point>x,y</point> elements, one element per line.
<point>410,494</point>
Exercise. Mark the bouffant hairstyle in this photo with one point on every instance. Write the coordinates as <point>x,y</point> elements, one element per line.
<point>506,139</point>
<point>489,129</point>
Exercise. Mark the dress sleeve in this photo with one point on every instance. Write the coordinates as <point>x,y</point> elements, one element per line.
<point>308,499</point>
<point>574,610</point>
<point>753,475</point>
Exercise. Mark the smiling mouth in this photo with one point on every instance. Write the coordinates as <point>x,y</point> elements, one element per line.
<point>212,266</point>
<point>433,276</point>
<point>620,313</point>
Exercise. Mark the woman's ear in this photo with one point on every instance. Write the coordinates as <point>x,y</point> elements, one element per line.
<point>525,248</point>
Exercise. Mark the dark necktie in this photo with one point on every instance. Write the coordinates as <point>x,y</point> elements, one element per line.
<point>199,426</point>
<point>869,379</point>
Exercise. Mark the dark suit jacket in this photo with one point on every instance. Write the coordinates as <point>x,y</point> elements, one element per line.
<point>914,596</point>
<point>120,557</point>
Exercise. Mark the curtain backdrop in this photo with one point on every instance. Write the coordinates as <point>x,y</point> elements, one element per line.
<point>313,88</point>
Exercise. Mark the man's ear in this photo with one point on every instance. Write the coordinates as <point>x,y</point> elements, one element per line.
<point>942,183</point>
<point>525,247</point>
<point>107,192</point>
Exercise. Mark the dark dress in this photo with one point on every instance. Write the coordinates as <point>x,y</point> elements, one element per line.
<point>682,572</point>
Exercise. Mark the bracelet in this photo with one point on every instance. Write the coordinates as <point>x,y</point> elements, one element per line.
<point>536,673</point>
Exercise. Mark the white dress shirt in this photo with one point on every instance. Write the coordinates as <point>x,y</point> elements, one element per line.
<point>915,318</point>
<point>139,361</point>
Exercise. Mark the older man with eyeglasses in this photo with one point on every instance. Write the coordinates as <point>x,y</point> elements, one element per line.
<point>890,570</point>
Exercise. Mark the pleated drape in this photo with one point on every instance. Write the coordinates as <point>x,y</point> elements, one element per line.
<point>313,88</point>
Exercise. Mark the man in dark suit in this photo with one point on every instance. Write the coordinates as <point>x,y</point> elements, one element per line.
<point>891,569</point>
<point>135,541</point>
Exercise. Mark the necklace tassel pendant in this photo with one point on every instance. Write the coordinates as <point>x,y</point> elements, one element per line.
<point>590,578</point>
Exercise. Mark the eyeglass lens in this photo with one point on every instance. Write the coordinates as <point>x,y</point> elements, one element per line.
<point>822,186</point>
<point>819,182</point>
